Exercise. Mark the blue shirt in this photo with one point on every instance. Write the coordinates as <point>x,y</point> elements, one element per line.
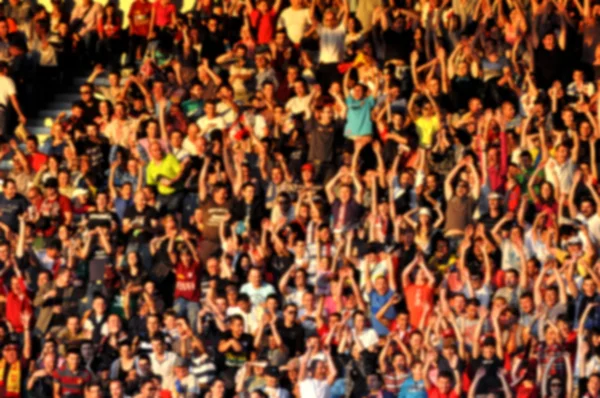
<point>358,118</point>
<point>377,302</point>
<point>412,389</point>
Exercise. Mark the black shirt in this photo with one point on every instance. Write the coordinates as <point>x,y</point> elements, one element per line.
<point>141,221</point>
<point>292,337</point>
<point>10,209</point>
<point>233,360</point>
<point>322,140</point>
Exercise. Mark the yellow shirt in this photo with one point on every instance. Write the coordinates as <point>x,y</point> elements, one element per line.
<point>168,168</point>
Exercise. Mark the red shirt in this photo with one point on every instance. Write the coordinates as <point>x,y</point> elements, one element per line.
<point>264,25</point>
<point>187,282</point>
<point>434,392</point>
<point>163,13</point>
<point>16,306</point>
<point>36,160</point>
<point>139,17</point>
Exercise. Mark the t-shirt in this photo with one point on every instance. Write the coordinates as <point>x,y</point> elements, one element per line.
<point>233,360</point>
<point>101,219</point>
<point>7,89</point>
<point>168,167</point>
<point>377,301</point>
<point>416,298</point>
<point>187,282</point>
<point>426,129</point>
<point>358,120</point>
<point>412,389</point>
<point>322,140</point>
<point>207,125</point>
<point>164,13</point>
<point>257,295</point>
<point>313,388</point>
<point>139,14</point>
<point>142,221</point>
<point>10,209</point>
<point>490,381</point>
<point>331,41</point>
<point>264,24</point>
<point>295,22</point>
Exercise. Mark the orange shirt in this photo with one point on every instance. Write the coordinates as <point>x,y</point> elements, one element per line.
<point>416,298</point>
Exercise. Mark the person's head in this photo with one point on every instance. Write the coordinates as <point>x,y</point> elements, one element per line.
<point>526,302</point>
<point>148,389</point>
<point>374,383</point>
<point>547,191</point>
<point>444,382</point>
<point>217,389</point>
<point>272,376</point>
<point>99,304</point>
<point>248,192</point>
<point>115,389</point>
<point>549,41</point>
<point>93,390</point>
<point>158,344</point>
<point>488,349</point>
<point>236,324</point>
<point>73,358</point>
<point>551,296</point>
<point>86,91</point>
<point>255,277</point>
<point>153,323</point>
<point>462,189</point>
<point>329,18</point>
<point>360,320</point>
<point>290,311</point>
<point>10,188</point>
<point>562,153</point>
<point>156,152</point>
<point>359,91</point>
<point>416,369</point>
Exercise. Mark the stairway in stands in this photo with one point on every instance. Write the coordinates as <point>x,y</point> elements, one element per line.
<point>40,124</point>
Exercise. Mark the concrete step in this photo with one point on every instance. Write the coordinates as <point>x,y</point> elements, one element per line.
<point>51,113</point>
<point>68,97</point>
<point>61,105</point>
<point>99,81</point>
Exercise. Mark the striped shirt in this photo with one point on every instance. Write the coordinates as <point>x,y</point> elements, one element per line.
<point>393,381</point>
<point>71,383</point>
<point>203,369</point>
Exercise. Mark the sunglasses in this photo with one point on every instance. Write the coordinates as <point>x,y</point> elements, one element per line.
<point>85,92</point>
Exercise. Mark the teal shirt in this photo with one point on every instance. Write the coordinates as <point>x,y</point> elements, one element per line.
<point>359,123</point>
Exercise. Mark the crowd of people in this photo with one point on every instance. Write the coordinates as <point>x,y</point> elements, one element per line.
<point>309,199</point>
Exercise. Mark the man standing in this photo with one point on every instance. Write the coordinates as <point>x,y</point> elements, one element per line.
<point>8,93</point>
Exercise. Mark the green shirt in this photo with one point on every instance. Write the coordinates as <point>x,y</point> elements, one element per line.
<point>168,168</point>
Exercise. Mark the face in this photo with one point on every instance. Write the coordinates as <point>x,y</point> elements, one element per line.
<point>73,360</point>
<point>155,151</point>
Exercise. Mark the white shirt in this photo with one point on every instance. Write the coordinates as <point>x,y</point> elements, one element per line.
<point>7,89</point>
<point>295,22</point>
<point>331,43</point>
<point>276,392</point>
<point>164,368</point>
<point>313,388</point>
<point>593,224</point>
<point>564,173</point>
<point>207,125</point>
<point>298,105</point>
